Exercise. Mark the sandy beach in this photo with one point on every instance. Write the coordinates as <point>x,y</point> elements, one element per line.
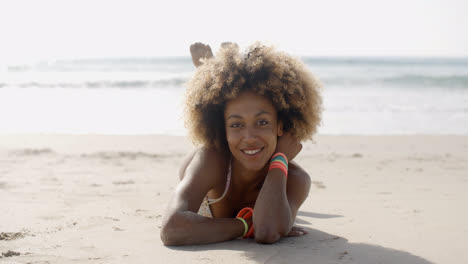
<point>100,199</point>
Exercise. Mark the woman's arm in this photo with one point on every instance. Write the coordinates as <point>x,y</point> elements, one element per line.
<point>181,224</point>
<point>279,199</point>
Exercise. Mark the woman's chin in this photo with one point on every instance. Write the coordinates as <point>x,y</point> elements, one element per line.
<point>253,162</point>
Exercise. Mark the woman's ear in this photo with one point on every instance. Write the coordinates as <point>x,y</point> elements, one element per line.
<point>280,128</point>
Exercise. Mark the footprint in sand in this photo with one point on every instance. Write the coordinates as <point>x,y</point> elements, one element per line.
<point>319,184</point>
<point>10,253</point>
<point>112,218</point>
<point>343,254</point>
<point>11,236</point>
<point>123,182</point>
<point>32,152</point>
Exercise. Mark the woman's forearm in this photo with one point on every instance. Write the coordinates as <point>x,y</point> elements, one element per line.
<point>272,215</point>
<point>189,228</point>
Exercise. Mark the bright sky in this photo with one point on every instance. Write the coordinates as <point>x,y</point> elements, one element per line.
<point>95,28</point>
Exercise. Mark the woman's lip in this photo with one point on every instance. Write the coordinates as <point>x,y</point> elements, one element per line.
<point>250,149</point>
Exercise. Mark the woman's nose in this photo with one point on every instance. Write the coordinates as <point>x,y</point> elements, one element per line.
<point>250,133</point>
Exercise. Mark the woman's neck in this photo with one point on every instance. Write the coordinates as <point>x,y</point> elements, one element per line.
<point>242,176</point>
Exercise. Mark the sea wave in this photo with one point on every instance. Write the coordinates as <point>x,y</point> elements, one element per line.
<point>107,65</point>
<point>341,72</point>
<point>423,80</point>
<point>98,84</point>
<point>453,81</point>
<point>387,61</point>
<point>407,80</point>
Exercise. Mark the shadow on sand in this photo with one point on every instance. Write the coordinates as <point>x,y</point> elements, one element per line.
<point>315,247</point>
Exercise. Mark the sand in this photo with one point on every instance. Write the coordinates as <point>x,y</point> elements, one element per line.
<point>100,199</point>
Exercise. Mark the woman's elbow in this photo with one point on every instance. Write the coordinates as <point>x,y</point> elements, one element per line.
<point>268,232</point>
<point>170,233</point>
<point>266,236</point>
<point>167,236</point>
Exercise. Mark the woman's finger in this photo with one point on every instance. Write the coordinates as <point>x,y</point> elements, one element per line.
<point>297,231</point>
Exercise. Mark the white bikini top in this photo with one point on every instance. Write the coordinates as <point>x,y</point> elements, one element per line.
<point>228,181</point>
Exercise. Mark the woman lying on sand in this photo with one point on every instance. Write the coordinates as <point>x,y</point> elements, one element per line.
<point>249,112</point>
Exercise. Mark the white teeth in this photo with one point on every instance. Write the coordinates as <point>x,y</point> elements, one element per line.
<point>251,152</point>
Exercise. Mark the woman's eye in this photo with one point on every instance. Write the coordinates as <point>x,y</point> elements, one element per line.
<point>235,125</point>
<point>262,122</point>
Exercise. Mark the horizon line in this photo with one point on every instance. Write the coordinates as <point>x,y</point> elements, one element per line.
<point>125,57</point>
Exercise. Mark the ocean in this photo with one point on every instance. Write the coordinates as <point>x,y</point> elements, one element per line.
<point>361,96</point>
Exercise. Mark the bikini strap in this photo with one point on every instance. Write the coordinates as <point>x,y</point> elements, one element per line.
<point>228,181</point>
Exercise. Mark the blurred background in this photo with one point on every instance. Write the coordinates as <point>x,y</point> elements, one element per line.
<point>119,67</point>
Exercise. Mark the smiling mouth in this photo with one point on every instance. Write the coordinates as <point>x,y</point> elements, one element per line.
<point>252,152</point>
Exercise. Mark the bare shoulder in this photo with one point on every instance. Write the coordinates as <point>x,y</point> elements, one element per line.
<point>205,164</point>
<point>297,174</point>
<point>298,185</point>
<point>199,172</point>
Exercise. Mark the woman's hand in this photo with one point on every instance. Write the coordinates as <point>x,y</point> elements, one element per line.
<point>297,231</point>
<point>288,145</point>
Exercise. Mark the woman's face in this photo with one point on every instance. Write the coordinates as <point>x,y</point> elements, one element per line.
<point>252,129</point>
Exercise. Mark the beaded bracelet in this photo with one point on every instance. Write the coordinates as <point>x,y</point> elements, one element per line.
<point>279,161</point>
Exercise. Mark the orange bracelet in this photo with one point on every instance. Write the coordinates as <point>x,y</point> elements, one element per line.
<point>246,213</point>
<point>282,168</point>
<point>279,161</point>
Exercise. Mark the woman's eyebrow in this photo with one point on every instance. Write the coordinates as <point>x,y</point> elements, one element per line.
<point>234,116</point>
<point>258,114</point>
<point>263,112</point>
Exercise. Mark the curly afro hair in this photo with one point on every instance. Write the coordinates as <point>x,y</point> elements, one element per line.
<point>283,79</point>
